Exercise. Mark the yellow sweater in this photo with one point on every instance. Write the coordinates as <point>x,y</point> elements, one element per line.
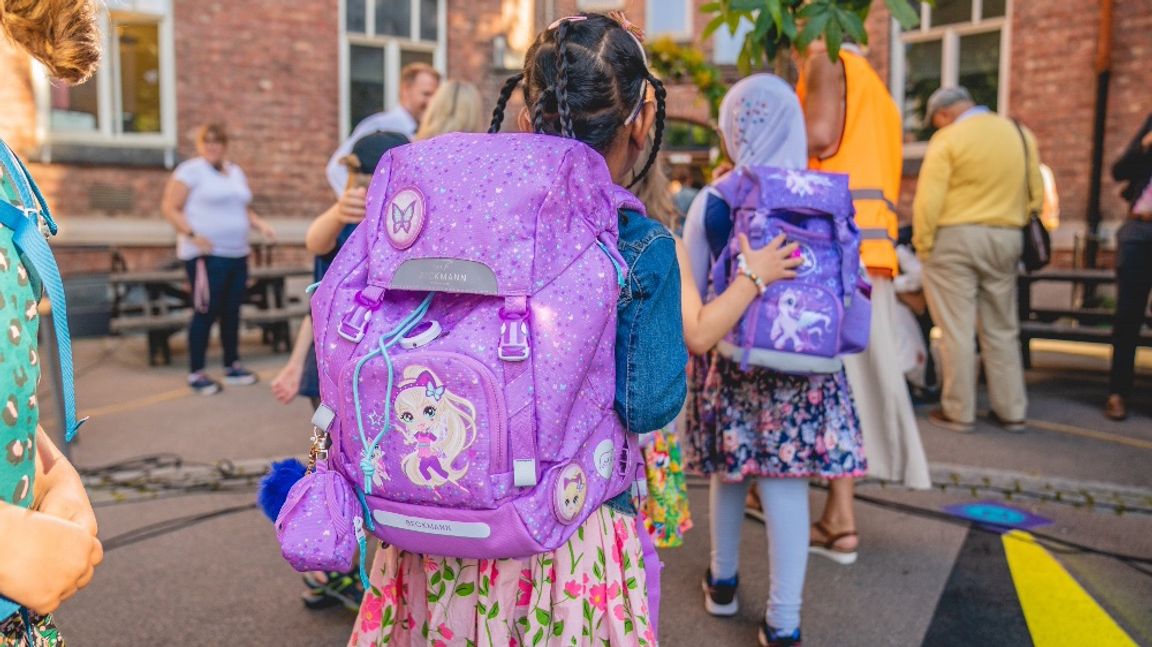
<point>973,174</point>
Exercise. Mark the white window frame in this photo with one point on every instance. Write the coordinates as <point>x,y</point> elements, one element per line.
<point>742,30</point>
<point>950,36</point>
<point>392,46</point>
<point>108,82</point>
<point>689,17</point>
<point>600,5</point>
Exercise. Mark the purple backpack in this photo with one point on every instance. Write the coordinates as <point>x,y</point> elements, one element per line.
<point>801,325</point>
<point>465,337</point>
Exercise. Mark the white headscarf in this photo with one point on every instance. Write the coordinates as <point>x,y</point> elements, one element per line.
<point>762,124</point>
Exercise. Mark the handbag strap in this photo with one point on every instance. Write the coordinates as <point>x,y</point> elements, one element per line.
<point>1027,162</point>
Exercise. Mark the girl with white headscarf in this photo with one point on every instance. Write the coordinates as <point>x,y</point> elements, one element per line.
<point>777,429</point>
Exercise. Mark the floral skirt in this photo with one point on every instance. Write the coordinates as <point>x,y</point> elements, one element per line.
<point>14,631</point>
<point>666,514</point>
<point>592,591</point>
<point>761,423</point>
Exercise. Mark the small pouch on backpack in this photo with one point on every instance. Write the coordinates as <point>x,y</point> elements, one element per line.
<point>317,527</point>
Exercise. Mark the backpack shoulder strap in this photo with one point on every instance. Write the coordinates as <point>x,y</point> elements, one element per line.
<point>24,221</point>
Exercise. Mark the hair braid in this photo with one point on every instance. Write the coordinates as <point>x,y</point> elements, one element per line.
<point>538,120</point>
<point>562,106</point>
<point>658,136</point>
<point>505,95</point>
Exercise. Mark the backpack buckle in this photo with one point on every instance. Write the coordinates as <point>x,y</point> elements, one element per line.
<point>353,326</point>
<point>515,344</point>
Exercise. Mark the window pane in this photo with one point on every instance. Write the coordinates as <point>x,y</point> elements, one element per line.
<point>139,77</point>
<point>922,62</point>
<point>993,8</point>
<point>394,18</point>
<point>980,67</point>
<point>356,17</point>
<point>75,109</point>
<point>668,17</point>
<point>408,56</point>
<point>429,20</point>
<point>726,47</point>
<point>950,12</point>
<point>366,85</point>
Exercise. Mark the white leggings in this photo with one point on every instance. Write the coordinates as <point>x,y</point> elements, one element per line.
<point>785,502</point>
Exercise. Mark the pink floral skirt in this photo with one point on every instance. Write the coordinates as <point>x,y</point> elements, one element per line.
<point>592,591</point>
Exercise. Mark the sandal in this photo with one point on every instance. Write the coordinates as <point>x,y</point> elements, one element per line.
<point>828,549</point>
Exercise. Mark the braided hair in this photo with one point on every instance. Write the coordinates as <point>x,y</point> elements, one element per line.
<point>584,80</point>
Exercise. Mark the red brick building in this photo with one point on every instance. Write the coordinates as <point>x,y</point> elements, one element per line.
<point>290,79</point>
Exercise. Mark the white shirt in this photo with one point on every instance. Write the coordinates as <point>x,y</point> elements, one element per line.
<point>216,208</point>
<point>396,120</point>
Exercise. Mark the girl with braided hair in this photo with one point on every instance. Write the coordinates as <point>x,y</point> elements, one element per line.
<point>586,77</point>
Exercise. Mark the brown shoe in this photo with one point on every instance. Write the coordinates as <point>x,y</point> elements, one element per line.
<point>939,419</point>
<point>1115,408</point>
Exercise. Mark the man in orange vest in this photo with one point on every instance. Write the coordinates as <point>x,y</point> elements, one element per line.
<point>854,128</point>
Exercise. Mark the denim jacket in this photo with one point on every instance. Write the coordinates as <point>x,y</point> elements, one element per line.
<point>651,357</point>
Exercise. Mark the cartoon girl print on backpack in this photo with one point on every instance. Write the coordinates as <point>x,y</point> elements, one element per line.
<point>439,424</point>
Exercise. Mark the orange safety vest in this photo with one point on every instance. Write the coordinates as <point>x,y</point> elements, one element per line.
<point>871,152</point>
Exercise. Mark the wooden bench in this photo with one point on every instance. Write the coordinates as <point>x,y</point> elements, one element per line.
<point>166,308</point>
<point>1072,323</point>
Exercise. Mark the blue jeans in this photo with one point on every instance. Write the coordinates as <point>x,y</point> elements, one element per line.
<point>227,285</point>
<point>1133,283</point>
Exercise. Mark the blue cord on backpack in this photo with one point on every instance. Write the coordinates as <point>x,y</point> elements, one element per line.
<point>25,225</point>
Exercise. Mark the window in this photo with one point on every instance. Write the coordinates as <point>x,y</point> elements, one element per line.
<point>959,42</point>
<point>381,37</point>
<point>131,99</point>
<point>669,18</point>
<point>726,46</point>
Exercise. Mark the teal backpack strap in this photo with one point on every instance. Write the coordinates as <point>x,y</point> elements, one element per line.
<point>24,222</point>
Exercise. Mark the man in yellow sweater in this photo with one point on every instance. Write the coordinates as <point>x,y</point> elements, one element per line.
<point>974,193</point>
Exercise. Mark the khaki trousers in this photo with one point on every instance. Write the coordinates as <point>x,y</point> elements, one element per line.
<point>970,282</point>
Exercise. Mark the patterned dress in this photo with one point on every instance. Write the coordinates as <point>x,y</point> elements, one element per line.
<point>589,592</point>
<point>666,514</point>
<point>762,423</point>
<point>19,415</point>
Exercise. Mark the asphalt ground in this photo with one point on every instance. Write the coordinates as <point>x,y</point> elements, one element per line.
<point>219,580</point>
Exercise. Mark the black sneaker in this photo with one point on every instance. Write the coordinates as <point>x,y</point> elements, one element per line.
<point>203,385</point>
<point>239,376</point>
<point>338,589</point>
<point>770,637</point>
<point>720,595</point>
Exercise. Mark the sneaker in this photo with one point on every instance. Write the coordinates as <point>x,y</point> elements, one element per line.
<point>203,385</point>
<point>939,419</point>
<point>770,637</point>
<point>338,589</point>
<point>1008,425</point>
<point>239,376</point>
<point>720,595</point>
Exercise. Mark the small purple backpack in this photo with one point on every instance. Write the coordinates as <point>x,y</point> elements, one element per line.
<point>465,336</point>
<point>801,325</point>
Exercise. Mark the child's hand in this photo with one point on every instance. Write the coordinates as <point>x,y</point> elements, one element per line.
<point>286,385</point>
<point>353,205</point>
<point>67,500</point>
<point>773,261</point>
<point>47,560</point>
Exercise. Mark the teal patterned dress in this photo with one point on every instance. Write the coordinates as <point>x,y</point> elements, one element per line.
<point>19,415</point>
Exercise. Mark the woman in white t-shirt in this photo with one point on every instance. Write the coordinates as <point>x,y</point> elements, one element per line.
<point>208,201</point>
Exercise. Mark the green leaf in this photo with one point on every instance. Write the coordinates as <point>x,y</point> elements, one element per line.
<point>777,13</point>
<point>712,7</point>
<point>713,25</point>
<point>748,5</point>
<point>904,13</point>
<point>558,628</point>
<point>465,589</point>
<point>494,611</point>
<point>482,609</point>
<point>538,636</point>
<point>436,577</point>
<point>813,28</point>
<point>628,626</point>
<point>630,583</point>
<point>834,37</point>
<point>790,26</point>
<point>386,617</point>
<point>543,617</point>
<point>852,26</point>
<point>449,574</point>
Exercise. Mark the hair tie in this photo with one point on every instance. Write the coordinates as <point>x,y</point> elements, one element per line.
<point>629,26</point>
<point>557,22</point>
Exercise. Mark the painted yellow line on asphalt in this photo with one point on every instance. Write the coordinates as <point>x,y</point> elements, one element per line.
<point>146,401</point>
<point>1104,436</point>
<point>1059,612</point>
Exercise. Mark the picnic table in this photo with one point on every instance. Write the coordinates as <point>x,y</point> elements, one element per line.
<point>157,303</point>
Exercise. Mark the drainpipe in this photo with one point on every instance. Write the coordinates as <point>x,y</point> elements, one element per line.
<point>1103,69</point>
